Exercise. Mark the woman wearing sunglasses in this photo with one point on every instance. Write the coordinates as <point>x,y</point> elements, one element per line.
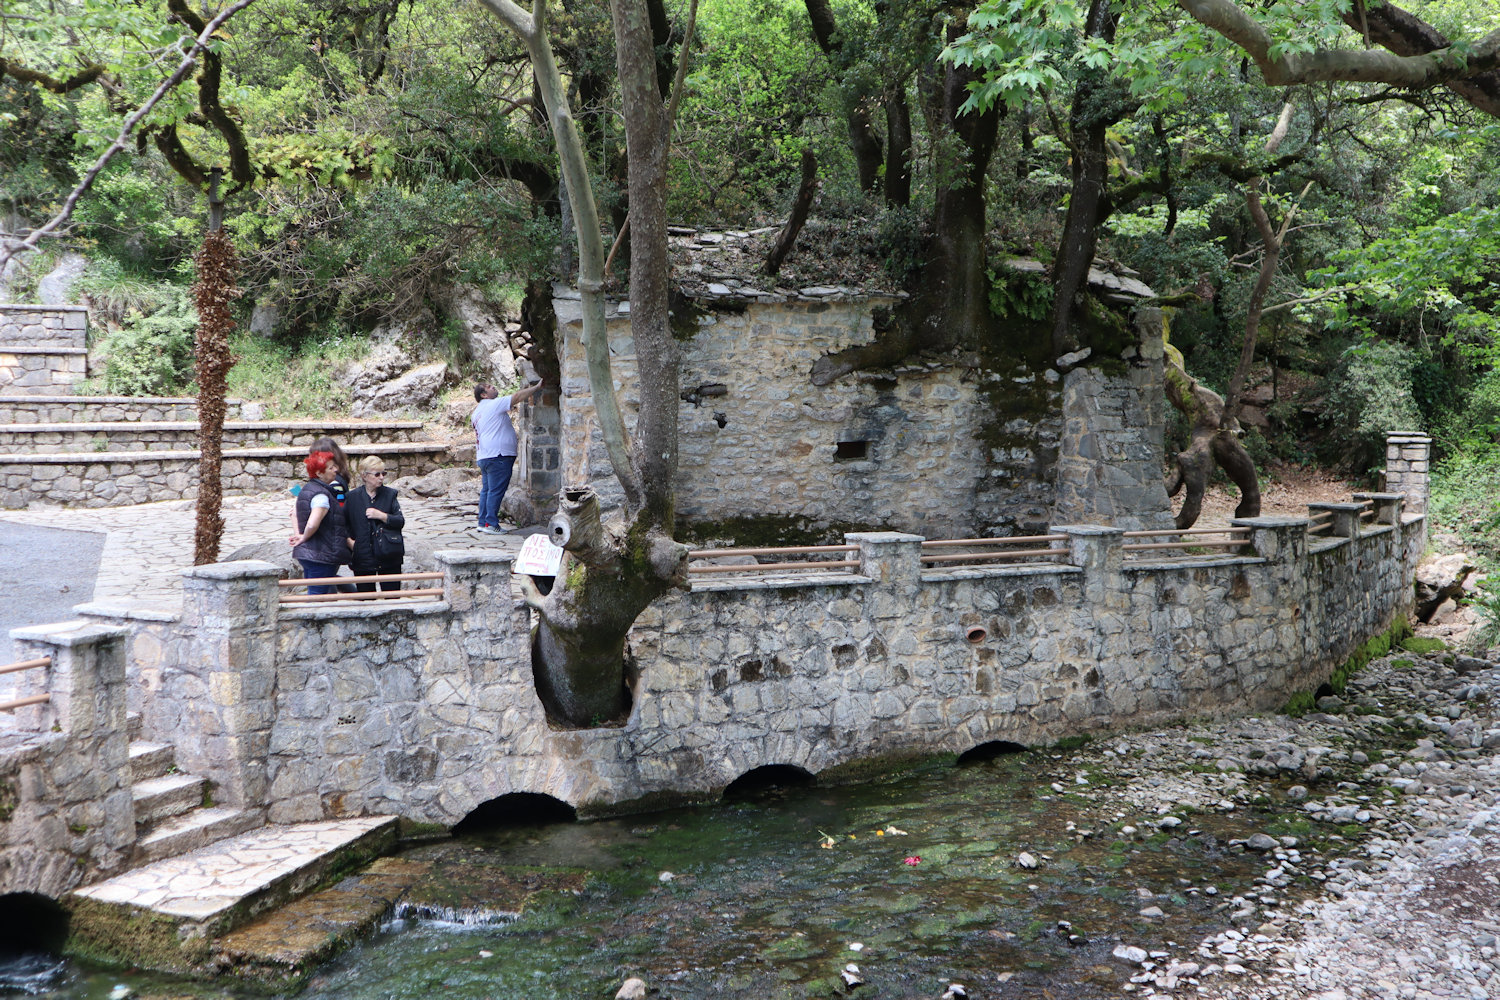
<point>375,523</point>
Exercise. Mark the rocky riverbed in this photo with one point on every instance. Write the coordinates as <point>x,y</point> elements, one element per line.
<point>1383,875</point>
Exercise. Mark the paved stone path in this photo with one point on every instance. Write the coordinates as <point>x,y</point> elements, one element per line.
<point>148,545</point>
<point>204,883</point>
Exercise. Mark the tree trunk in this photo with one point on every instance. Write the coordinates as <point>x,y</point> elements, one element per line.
<point>579,654</point>
<point>1092,114</point>
<point>1215,438</point>
<point>956,285</point>
<point>212,293</point>
<point>897,148</point>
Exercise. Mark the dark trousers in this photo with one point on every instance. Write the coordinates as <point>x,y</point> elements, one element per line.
<point>494,481</point>
<point>379,569</point>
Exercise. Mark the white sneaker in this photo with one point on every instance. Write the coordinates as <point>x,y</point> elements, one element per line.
<point>490,529</point>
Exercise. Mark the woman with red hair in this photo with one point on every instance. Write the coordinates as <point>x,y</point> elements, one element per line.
<point>321,543</point>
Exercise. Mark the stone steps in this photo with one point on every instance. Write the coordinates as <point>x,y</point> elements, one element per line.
<point>134,436</point>
<point>165,916</point>
<point>156,799</point>
<point>192,830</point>
<point>150,760</point>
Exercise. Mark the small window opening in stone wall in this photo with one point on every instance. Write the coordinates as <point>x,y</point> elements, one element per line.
<point>772,779</point>
<point>518,809</point>
<point>33,928</point>
<point>992,750</point>
<point>851,449</point>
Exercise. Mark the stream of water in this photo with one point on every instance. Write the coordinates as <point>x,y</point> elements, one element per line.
<point>911,877</point>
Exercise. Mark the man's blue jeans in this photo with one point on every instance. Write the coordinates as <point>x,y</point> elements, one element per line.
<point>495,473</point>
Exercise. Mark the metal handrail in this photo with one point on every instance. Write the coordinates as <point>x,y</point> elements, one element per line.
<point>41,661</point>
<point>324,580</point>
<point>767,567</point>
<point>1013,540</point>
<point>714,553</point>
<point>35,699</point>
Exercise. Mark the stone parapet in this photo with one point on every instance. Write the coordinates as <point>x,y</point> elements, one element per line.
<point>66,815</point>
<point>43,349</point>
<point>179,435</point>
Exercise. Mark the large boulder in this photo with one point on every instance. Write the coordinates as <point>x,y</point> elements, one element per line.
<point>438,483</point>
<point>414,389</point>
<point>483,330</point>
<point>56,286</point>
<point>381,365</point>
<point>1441,578</point>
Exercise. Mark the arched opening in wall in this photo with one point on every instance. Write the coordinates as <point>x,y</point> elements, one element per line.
<point>992,750</point>
<point>766,780</point>
<point>32,930</point>
<point>513,810</point>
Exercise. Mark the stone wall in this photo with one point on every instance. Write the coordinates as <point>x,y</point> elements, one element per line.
<point>42,348</point>
<point>45,409</point>
<point>66,816</point>
<point>113,479</point>
<point>133,436</point>
<point>935,447</point>
<point>430,712</point>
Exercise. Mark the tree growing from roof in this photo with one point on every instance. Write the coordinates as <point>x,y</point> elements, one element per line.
<point>610,574</point>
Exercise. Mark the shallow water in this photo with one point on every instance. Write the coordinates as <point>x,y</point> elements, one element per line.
<point>756,907</point>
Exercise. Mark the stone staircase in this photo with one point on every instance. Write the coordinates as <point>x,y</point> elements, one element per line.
<point>205,871</point>
<point>173,814</point>
<point>112,451</point>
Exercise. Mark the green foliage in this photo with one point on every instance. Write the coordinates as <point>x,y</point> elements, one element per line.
<point>1369,395</point>
<point>1487,605</point>
<point>1466,498</point>
<point>295,381</point>
<point>151,354</point>
<point>1422,646</point>
<point>1020,296</point>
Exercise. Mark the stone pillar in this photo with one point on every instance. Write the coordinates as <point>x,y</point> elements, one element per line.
<point>1406,457</point>
<point>91,772</point>
<point>229,614</point>
<point>476,585</point>
<point>1387,506</point>
<point>1276,539</point>
<point>1110,456</point>
<point>888,556</point>
<point>1097,549</point>
<point>86,679</point>
<point>1345,517</point>
<point>542,453</point>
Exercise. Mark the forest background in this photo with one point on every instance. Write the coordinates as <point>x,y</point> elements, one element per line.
<point>384,152</point>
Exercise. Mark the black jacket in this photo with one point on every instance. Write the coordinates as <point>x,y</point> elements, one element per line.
<point>359,500</point>
<point>327,544</point>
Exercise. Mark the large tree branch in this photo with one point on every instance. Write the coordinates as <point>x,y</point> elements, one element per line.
<point>119,145</point>
<point>531,29</point>
<point>1419,70</point>
<point>1408,35</point>
<point>84,77</point>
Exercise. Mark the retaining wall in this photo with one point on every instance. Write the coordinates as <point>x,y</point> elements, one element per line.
<point>429,712</point>
<point>48,409</point>
<point>134,436</point>
<point>66,815</point>
<point>113,479</point>
<point>42,348</point>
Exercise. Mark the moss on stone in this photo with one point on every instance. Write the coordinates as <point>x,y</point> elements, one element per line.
<point>9,798</point>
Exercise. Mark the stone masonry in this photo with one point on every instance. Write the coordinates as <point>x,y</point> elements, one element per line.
<point>66,816</point>
<point>933,447</point>
<point>43,349</point>
<point>1406,458</point>
<point>429,711</point>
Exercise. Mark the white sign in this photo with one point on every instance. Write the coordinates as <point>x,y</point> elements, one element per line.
<point>539,557</point>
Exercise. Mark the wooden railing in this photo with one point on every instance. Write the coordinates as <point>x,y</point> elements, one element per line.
<point>389,596</point>
<point>36,699</point>
<point>936,554</point>
<point>784,565</point>
<point>1321,524</point>
<point>1237,538</point>
<point>1369,512</point>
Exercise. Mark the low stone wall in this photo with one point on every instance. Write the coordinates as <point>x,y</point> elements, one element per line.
<point>42,348</point>
<point>136,436</point>
<point>429,712</point>
<point>114,479</point>
<point>46,409</point>
<point>66,816</point>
